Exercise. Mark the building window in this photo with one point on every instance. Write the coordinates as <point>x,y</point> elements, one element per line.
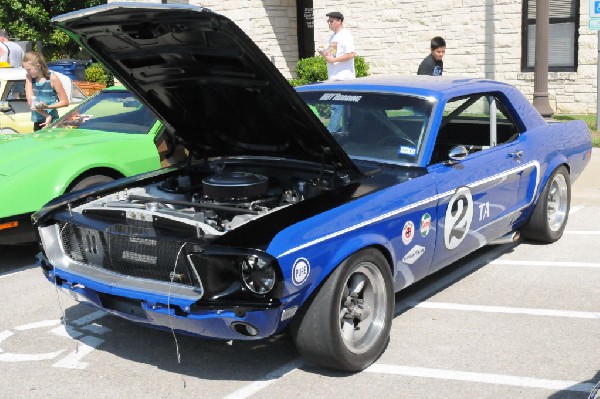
<point>562,35</point>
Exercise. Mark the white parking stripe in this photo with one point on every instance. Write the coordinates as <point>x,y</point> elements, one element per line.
<point>269,379</point>
<point>575,209</point>
<point>583,232</point>
<point>38,324</point>
<point>17,271</point>
<point>496,379</point>
<point>544,263</point>
<point>503,309</point>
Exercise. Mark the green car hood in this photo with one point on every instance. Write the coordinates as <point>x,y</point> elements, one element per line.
<point>20,151</point>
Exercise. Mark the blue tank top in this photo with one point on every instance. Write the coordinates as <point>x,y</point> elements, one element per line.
<point>46,94</point>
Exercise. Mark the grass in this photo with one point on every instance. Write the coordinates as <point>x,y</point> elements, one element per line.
<point>590,120</point>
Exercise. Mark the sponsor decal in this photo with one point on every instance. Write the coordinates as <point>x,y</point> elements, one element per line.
<point>339,97</point>
<point>484,211</point>
<point>300,271</point>
<point>413,255</point>
<point>425,224</point>
<point>459,216</point>
<point>407,150</point>
<point>408,232</point>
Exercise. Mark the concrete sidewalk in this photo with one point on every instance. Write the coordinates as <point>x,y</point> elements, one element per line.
<point>586,189</point>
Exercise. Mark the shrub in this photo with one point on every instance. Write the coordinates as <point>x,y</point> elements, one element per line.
<point>99,74</point>
<point>314,69</point>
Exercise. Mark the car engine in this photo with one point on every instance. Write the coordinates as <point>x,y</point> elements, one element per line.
<point>213,204</point>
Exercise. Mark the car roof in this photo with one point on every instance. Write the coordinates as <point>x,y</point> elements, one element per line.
<point>12,73</point>
<point>439,87</point>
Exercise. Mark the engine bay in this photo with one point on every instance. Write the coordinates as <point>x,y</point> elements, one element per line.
<point>211,203</point>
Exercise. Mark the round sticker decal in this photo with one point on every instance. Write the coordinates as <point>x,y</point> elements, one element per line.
<point>458,217</point>
<point>425,224</point>
<point>408,232</point>
<point>300,271</point>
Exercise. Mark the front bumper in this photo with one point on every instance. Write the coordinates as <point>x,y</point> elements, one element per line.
<point>16,229</point>
<point>162,310</point>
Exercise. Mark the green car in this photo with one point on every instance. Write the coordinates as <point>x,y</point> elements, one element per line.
<point>111,135</point>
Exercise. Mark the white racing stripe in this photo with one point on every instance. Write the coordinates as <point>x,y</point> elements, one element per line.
<point>503,309</point>
<point>545,263</point>
<point>496,379</point>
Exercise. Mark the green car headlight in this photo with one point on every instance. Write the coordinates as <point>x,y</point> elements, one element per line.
<point>258,274</point>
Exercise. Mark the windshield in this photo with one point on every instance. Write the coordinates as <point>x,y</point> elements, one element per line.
<point>374,126</point>
<point>110,111</point>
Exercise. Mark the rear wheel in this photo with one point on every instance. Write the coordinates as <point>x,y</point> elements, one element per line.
<point>347,324</point>
<point>94,180</point>
<point>549,218</point>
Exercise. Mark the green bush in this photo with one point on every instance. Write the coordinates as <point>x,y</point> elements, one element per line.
<point>314,69</point>
<point>99,74</point>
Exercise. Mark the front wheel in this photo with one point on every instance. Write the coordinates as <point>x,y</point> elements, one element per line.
<point>347,324</point>
<point>549,218</point>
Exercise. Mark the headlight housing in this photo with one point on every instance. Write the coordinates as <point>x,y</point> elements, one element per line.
<point>258,274</point>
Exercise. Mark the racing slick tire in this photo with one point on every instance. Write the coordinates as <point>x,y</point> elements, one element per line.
<point>347,324</point>
<point>551,212</point>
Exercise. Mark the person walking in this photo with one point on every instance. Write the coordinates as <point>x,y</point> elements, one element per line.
<point>44,90</point>
<point>433,64</point>
<point>14,52</point>
<point>339,55</point>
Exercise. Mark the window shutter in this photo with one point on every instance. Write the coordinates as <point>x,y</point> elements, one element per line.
<point>558,9</point>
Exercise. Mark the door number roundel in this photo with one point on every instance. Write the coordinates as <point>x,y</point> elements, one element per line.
<point>459,216</point>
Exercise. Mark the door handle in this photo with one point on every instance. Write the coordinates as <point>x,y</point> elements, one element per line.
<point>516,154</point>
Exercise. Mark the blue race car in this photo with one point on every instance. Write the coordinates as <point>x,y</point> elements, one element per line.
<point>276,224</point>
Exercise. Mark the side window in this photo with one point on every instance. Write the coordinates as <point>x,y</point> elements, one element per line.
<point>15,90</point>
<point>477,122</point>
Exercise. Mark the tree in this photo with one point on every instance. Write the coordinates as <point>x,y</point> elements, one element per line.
<point>30,20</point>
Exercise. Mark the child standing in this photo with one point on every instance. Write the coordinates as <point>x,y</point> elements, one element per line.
<point>44,90</point>
<point>433,64</point>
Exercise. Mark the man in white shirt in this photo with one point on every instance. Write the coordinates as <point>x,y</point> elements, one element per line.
<point>11,52</point>
<point>339,55</point>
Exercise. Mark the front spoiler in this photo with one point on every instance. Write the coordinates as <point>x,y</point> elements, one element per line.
<point>165,312</point>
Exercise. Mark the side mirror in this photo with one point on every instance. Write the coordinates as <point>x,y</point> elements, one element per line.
<point>5,106</point>
<point>457,154</point>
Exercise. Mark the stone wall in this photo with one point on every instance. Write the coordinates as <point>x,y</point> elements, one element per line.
<point>483,37</point>
<point>270,23</point>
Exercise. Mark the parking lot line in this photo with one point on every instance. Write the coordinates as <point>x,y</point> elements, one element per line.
<point>280,372</point>
<point>504,309</point>
<point>544,263</point>
<point>497,379</point>
<point>15,272</point>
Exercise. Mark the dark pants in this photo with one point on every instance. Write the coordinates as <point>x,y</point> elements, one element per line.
<point>36,126</point>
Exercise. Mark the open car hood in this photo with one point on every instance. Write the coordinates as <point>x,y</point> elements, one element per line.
<point>205,79</point>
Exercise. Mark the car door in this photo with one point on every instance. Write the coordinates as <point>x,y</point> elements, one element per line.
<point>16,114</point>
<point>479,195</point>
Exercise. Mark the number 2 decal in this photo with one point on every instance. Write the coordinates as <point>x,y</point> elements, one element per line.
<point>458,217</point>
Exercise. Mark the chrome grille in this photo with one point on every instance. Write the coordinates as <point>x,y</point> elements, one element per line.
<point>129,250</point>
